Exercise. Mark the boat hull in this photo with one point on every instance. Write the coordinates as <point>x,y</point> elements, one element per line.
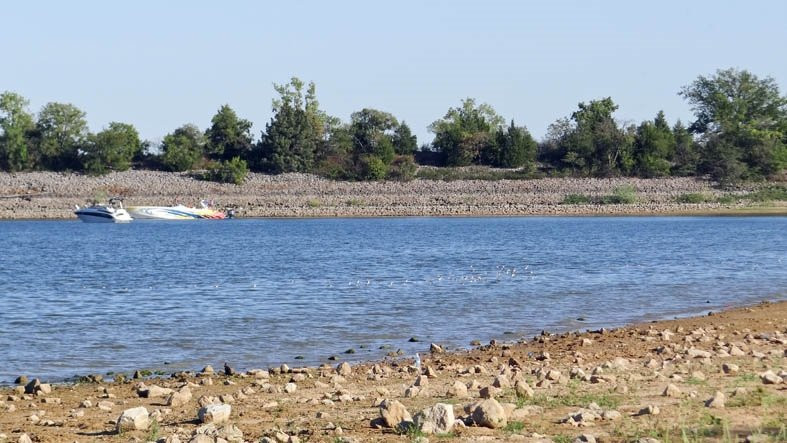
<point>102,217</point>
<point>174,213</point>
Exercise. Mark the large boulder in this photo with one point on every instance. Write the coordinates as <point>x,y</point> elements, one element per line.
<point>523,389</point>
<point>698,353</point>
<point>394,414</point>
<point>490,414</point>
<point>180,397</point>
<point>214,413</point>
<point>458,390</point>
<point>133,419</point>
<point>35,387</point>
<point>672,391</point>
<point>344,369</point>
<point>231,433</point>
<point>769,378</point>
<point>439,419</point>
<point>717,401</point>
<point>154,391</point>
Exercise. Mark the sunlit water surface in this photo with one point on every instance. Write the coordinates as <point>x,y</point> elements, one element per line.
<point>81,298</point>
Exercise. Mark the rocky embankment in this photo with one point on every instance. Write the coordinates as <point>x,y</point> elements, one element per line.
<point>48,195</point>
<point>720,377</point>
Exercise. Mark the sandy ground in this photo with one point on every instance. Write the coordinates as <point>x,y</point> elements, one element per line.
<point>49,195</point>
<point>719,377</point>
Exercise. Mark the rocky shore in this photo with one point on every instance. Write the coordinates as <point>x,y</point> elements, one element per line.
<point>49,195</point>
<point>717,377</point>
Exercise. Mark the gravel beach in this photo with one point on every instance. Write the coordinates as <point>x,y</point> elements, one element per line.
<point>719,377</point>
<point>50,195</point>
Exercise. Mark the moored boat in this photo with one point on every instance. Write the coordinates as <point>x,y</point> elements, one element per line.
<point>111,212</point>
<point>177,212</point>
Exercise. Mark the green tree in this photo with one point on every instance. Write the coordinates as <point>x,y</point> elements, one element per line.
<point>335,158</point>
<point>289,143</point>
<point>465,132</point>
<point>228,136</point>
<point>372,167</point>
<point>111,149</point>
<point>591,142</point>
<point>405,142</point>
<point>16,124</point>
<point>373,134</point>
<point>742,124</point>
<point>229,171</point>
<point>515,148</point>
<point>61,132</point>
<point>296,135</point>
<point>722,160</point>
<point>686,155</point>
<point>552,150</point>
<point>183,148</point>
<point>599,140</point>
<point>654,147</point>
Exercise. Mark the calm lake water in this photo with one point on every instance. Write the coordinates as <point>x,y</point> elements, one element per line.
<point>81,298</point>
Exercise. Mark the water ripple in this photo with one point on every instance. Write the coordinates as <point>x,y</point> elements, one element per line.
<point>80,298</point>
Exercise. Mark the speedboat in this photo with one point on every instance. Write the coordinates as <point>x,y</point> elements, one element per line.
<point>112,212</point>
<point>177,212</point>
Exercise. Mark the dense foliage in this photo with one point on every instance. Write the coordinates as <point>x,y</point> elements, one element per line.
<point>227,171</point>
<point>741,124</point>
<point>740,133</point>
<point>111,149</point>
<point>183,148</point>
<point>591,142</point>
<point>229,136</point>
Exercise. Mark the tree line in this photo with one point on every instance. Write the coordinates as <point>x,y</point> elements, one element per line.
<point>739,133</point>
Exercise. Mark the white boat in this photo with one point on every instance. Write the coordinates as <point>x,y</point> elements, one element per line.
<point>177,212</point>
<point>112,212</point>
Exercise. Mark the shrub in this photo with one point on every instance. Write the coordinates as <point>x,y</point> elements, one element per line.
<point>694,197</point>
<point>770,193</point>
<point>576,199</point>
<point>726,199</point>
<point>373,168</point>
<point>231,171</point>
<point>336,168</point>
<point>625,194</point>
<point>403,168</point>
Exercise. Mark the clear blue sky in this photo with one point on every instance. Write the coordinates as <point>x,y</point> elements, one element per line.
<point>160,64</point>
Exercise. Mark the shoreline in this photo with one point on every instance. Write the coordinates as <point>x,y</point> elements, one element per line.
<point>697,345</point>
<point>634,321</point>
<point>770,212</point>
<point>743,211</point>
<point>51,196</point>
